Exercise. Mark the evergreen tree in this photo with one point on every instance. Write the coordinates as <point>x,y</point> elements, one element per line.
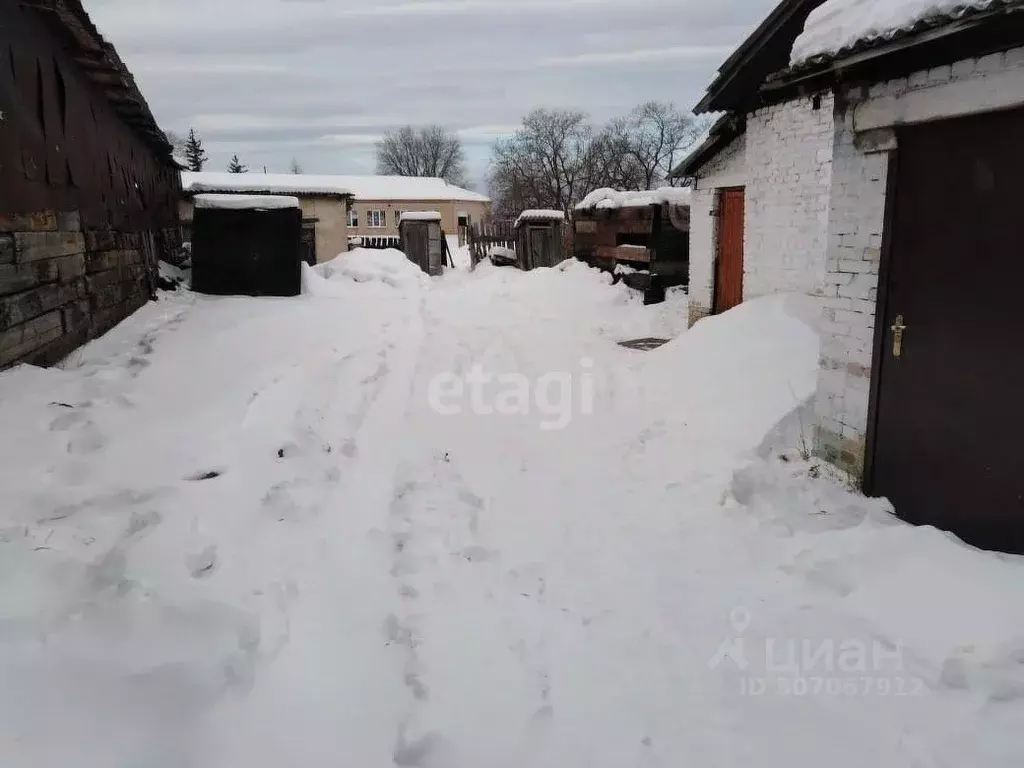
<point>195,155</point>
<point>295,167</point>
<point>235,166</point>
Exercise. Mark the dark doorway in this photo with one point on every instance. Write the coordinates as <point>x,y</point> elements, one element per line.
<point>309,242</point>
<point>947,427</point>
<point>729,256</point>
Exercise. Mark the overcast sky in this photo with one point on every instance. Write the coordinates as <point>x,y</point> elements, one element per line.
<point>320,80</point>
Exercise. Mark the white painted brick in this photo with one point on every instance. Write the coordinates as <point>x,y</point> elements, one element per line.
<point>994,62</point>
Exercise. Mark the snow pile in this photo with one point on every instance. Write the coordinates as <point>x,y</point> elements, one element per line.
<point>421,216</point>
<point>741,372</point>
<point>370,265</point>
<point>461,256</point>
<point>612,199</point>
<point>540,215</point>
<point>246,202</point>
<point>242,531</point>
<point>839,25</point>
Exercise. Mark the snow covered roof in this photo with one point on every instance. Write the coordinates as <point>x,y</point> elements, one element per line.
<point>540,214</point>
<point>842,25</point>
<point>611,199</point>
<point>361,187</point>
<point>717,135</point>
<point>421,216</point>
<point>246,202</point>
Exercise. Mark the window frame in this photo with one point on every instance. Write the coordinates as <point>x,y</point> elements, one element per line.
<point>378,215</point>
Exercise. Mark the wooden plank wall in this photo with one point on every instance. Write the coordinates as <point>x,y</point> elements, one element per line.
<point>486,235</point>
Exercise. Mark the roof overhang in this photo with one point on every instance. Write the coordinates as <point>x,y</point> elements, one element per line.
<point>766,50</point>
<point>725,130</point>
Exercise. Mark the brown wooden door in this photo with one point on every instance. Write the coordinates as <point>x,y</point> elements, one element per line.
<point>729,259</point>
<point>949,418</point>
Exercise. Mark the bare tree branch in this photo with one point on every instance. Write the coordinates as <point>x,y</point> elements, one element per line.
<point>428,151</point>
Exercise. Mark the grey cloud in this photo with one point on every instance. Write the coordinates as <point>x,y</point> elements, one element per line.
<point>321,79</point>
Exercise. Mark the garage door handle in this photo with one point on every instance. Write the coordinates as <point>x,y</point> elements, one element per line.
<point>897,336</point>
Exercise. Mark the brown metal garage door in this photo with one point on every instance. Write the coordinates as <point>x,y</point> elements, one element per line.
<point>949,400</point>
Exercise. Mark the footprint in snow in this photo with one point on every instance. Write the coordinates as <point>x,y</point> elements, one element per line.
<point>203,564</point>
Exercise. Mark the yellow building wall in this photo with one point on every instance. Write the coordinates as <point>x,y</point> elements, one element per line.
<point>331,223</point>
<point>449,210</point>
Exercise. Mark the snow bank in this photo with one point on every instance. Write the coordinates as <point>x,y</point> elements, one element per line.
<point>740,373</point>
<point>612,199</point>
<point>540,215</point>
<point>838,25</point>
<point>246,202</point>
<point>366,265</point>
<point>421,216</point>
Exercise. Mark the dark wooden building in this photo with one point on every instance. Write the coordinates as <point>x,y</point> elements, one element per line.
<point>648,233</point>
<point>422,240</point>
<point>247,245</point>
<point>540,238</point>
<point>88,187</point>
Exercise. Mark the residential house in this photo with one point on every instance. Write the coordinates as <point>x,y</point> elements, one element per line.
<point>340,210</point>
<point>919,208</point>
<point>381,200</point>
<point>89,192</point>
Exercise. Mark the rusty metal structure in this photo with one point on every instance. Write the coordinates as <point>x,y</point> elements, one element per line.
<point>85,172</point>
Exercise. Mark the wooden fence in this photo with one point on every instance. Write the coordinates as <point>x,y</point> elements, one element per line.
<point>481,237</point>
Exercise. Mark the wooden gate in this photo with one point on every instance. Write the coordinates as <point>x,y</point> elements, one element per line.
<point>729,258</point>
<point>484,236</point>
<point>945,442</point>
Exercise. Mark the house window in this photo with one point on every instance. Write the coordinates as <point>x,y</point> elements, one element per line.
<point>353,217</point>
<point>398,217</point>
<point>376,219</point>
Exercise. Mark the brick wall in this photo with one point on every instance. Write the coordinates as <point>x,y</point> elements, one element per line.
<point>727,168</point>
<point>61,285</point>
<point>850,289</point>
<point>856,223</point>
<point>789,154</point>
<point>785,162</point>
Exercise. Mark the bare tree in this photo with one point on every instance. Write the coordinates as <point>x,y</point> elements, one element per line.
<point>546,164</point>
<point>428,151</point>
<point>295,167</point>
<point>656,136</point>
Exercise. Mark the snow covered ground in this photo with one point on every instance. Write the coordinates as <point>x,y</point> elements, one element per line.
<point>265,532</point>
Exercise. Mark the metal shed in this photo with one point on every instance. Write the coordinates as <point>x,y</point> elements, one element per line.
<point>540,238</point>
<point>422,240</point>
<point>647,232</point>
<point>247,245</point>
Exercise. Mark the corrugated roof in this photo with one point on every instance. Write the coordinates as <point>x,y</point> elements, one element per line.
<point>397,188</point>
<point>839,27</point>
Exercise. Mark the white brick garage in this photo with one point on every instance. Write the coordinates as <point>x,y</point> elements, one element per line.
<point>864,140</point>
<point>783,161</point>
<point>922,403</point>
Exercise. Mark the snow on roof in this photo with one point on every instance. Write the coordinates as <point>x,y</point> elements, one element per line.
<point>362,187</point>
<point>421,216</point>
<point>839,25</point>
<point>612,199</point>
<point>542,214</point>
<point>246,202</point>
